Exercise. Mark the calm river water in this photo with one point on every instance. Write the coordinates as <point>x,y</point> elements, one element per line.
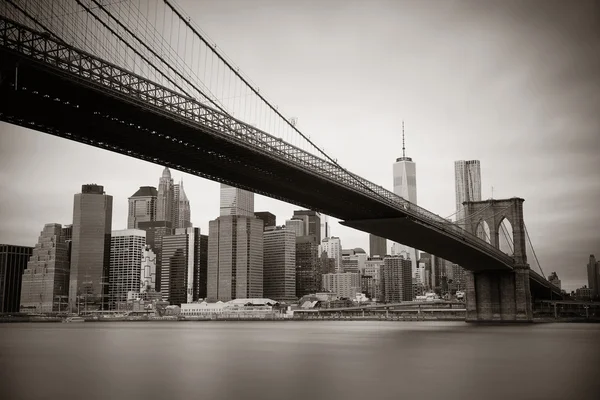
<point>299,360</point>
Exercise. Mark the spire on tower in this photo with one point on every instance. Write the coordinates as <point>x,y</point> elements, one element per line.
<point>403,149</point>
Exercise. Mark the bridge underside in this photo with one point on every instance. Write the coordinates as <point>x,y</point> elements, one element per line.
<point>48,101</point>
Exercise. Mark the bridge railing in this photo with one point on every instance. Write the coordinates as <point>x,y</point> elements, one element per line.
<point>134,88</point>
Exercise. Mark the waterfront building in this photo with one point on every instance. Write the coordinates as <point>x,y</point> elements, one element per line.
<point>396,279</point>
<point>308,266</point>
<point>126,255</point>
<point>344,284</point>
<point>45,284</point>
<point>238,309</point>
<point>142,206</point>
<point>13,261</point>
<point>279,264</point>
<point>90,248</point>
<point>184,266</point>
<point>333,247</point>
<point>267,218</point>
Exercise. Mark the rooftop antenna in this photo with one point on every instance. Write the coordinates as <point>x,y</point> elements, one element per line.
<point>403,149</point>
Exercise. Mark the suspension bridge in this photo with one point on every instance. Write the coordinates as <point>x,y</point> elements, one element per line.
<point>141,79</point>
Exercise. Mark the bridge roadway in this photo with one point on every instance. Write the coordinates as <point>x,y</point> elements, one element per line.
<point>49,86</point>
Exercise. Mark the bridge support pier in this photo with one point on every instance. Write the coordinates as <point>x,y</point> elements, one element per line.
<point>499,296</point>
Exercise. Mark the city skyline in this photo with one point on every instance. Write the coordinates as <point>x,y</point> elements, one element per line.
<point>534,118</point>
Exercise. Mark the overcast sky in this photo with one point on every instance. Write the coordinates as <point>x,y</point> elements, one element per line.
<point>514,84</point>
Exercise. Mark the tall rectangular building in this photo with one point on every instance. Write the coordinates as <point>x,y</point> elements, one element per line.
<point>593,273</point>
<point>405,186</point>
<point>333,247</point>
<point>90,248</point>
<point>397,280</point>
<point>467,182</point>
<point>377,246</point>
<point>142,207</point>
<point>235,258</point>
<point>45,285</point>
<point>236,201</point>
<point>126,255</point>
<point>279,264</point>
<point>308,266</point>
<point>13,261</point>
<point>184,266</point>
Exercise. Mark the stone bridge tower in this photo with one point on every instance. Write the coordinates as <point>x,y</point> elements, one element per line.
<point>499,295</point>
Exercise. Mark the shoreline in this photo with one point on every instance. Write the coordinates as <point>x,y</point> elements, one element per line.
<point>449,319</point>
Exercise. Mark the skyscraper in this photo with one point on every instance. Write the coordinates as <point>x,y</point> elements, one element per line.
<point>142,207</point>
<point>165,197</point>
<point>333,247</point>
<point>308,267</point>
<point>296,225</point>
<point>235,248</point>
<point>268,218</point>
<point>467,182</point>
<point>396,279</point>
<point>181,216</point>
<point>46,279</point>
<point>593,272</point>
<point>377,246</point>
<point>13,261</point>
<point>405,186</point>
<point>126,254</point>
<point>90,249</point>
<point>184,266</point>
<point>279,264</point>
<point>312,222</point>
<point>236,201</point>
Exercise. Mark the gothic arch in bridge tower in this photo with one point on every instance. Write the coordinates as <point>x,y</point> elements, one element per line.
<point>493,212</point>
<point>499,295</point>
<point>505,236</point>
<point>483,231</point>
